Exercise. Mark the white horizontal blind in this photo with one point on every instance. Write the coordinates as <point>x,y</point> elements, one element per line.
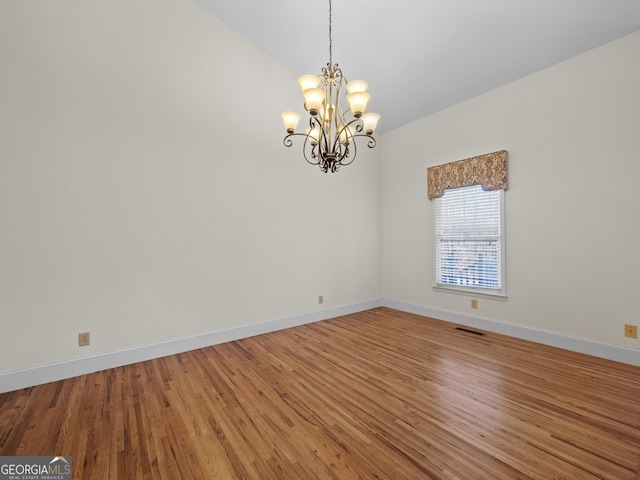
<point>468,244</point>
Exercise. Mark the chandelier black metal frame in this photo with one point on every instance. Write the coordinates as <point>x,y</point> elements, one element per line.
<point>334,124</point>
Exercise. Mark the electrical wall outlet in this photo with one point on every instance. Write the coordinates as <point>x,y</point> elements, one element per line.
<point>631,331</point>
<point>474,303</point>
<point>320,299</point>
<point>84,339</point>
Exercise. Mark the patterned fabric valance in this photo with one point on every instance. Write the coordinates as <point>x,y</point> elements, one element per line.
<point>489,170</point>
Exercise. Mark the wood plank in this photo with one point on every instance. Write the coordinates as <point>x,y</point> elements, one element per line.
<point>377,394</point>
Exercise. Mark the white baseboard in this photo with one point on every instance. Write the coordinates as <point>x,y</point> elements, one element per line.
<point>37,375</point>
<point>575,344</point>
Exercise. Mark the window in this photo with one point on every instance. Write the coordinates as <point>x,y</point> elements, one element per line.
<point>469,241</point>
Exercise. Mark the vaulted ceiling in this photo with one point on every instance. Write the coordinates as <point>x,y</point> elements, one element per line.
<point>421,56</point>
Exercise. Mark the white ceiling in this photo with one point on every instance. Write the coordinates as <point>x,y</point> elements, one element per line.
<point>420,56</point>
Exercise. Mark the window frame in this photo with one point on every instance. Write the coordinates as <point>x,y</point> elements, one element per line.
<point>493,293</point>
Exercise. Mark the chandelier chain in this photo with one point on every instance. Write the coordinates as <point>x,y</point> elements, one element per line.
<point>330,42</point>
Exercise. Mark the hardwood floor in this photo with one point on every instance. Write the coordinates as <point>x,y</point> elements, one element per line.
<point>375,395</point>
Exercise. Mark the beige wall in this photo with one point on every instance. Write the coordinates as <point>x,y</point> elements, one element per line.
<point>143,199</point>
<point>135,205</point>
<point>572,133</point>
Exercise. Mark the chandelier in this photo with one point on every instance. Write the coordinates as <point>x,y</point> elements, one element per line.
<point>336,117</point>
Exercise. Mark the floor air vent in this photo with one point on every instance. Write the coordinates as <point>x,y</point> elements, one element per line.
<point>475,332</point>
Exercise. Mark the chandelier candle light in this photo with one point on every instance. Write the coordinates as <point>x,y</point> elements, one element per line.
<point>329,140</point>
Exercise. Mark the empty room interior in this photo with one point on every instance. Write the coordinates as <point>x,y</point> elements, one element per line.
<point>185,294</point>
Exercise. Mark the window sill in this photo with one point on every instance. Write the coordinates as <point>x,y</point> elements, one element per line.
<point>470,291</point>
